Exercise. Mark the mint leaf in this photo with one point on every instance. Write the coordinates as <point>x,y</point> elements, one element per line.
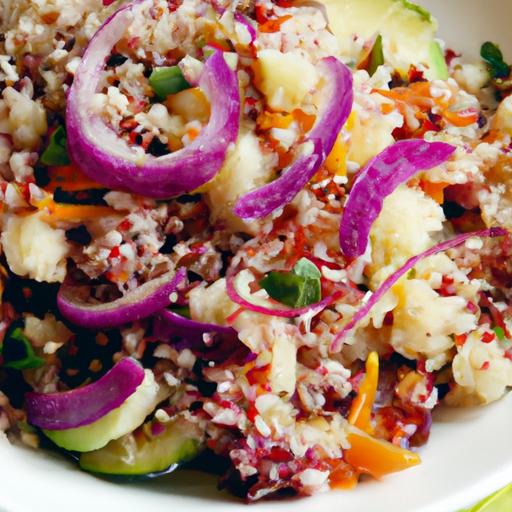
<point>296,289</point>
<point>56,153</point>
<point>306,268</point>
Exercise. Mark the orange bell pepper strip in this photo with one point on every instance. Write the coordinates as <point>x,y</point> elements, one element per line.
<point>69,178</point>
<point>377,457</point>
<point>360,414</point>
<point>72,213</point>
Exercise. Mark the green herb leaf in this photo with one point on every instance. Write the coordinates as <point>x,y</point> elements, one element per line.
<point>18,353</point>
<point>167,80</point>
<point>500,333</point>
<point>56,153</point>
<point>411,274</point>
<point>296,289</point>
<point>492,55</point>
<point>376,56</point>
<point>306,268</point>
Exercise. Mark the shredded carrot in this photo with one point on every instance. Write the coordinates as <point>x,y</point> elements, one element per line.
<point>434,190</point>
<point>270,26</point>
<point>69,178</point>
<point>361,410</point>
<point>461,119</point>
<point>305,121</point>
<point>71,212</point>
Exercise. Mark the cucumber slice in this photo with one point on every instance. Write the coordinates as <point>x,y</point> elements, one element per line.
<point>113,425</point>
<point>500,501</point>
<point>408,32</point>
<point>138,454</point>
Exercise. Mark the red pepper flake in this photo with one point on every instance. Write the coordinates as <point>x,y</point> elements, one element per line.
<point>460,339</point>
<point>388,318</point>
<point>261,14</point>
<point>278,454</point>
<point>252,412</point>
<point>485,366</point>
<point>488,337</point>
<point>415,75</point>
<point>449,55</point>
<point>125,225</point>
<point>114,253</point>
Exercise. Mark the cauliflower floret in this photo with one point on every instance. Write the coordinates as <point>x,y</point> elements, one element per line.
<point>245,169</point>
<point>212,304</point>
<point>284,78</point>
<point>404,228</point>
<point>49,329</point>
<point>26,119</point>
<point>424,322</point>
<point>372,130</point>
<point>35,249</point>
<point>472,77</point>
<point>481,372</point>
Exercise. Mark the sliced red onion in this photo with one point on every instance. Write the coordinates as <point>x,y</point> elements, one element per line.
<point>82,406</point>
<point>74,303</point>
<point>167,324</point>
<point>379,178</point>
<point>103,156</point>
<point>210,342</point>
<point>240,18</point>
<point>337,105</point>
<point>258,306</point>
<point>393,278</point>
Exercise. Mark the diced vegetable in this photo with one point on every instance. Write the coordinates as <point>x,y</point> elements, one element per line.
<point>377,457</point>
<point>167,80</point>
<point>376,56</point>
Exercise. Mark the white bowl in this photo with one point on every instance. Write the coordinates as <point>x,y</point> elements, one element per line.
<point>467,458</point>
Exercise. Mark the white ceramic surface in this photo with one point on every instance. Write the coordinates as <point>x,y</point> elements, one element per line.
<point>468,457</point>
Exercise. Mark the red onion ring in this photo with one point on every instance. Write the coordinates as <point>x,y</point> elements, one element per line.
<point>330,120</point>
<point>144,301</point>
<point>82,406</point>
<point>379,178</point>
<point>103,156</point>
<point>410,263</point>
<point>167,324</point>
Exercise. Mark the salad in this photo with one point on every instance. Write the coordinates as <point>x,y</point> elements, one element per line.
<point>266,238</point>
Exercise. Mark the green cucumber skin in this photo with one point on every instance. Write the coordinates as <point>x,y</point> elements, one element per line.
<point>190,449</point>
